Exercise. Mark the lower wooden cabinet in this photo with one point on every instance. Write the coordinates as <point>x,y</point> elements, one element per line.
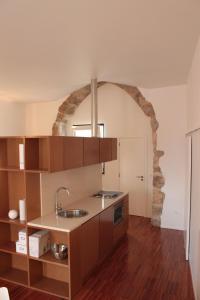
<point>89,239</point>
<point>106,233</point>
<point>98,237</point>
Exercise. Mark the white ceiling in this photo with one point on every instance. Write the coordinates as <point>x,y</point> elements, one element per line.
<point>48,48</point>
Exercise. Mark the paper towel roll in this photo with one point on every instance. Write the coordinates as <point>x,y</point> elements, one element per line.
<point>22,210</point>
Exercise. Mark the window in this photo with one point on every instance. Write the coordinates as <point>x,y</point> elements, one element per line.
<point>85,130</point>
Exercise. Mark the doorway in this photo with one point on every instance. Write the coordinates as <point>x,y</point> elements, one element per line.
<point>133,174</point>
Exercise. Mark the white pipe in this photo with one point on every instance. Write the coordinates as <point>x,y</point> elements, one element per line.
<point>94,107</point>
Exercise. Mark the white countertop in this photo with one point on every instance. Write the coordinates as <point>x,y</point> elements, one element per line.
<point>92,205</point>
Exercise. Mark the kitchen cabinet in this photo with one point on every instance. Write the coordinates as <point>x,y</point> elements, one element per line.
<point>53,154</point>
<point>106,233</point>
<point>56,154</point>
<point>73,152</point>
<point>114,149</point>
<point>90,151</point>
<point>89,243</point>
<point>108,149</point>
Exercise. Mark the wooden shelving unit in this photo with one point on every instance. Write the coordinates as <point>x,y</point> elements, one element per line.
<point>15,276</point>
<point>9,154</point>
<point>15,222</point>
<point>14,268</point>
<point>49,278</point>
<point>48,258</point>
<point>58,237</point>
<point>18,184</point>
<point>10,247</point>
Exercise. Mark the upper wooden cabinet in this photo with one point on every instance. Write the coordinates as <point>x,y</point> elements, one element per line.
<point>91,151</point>
<point>114,149</point>
<point>73,152</point>
<point>108,149</point>
<point>55,153</point>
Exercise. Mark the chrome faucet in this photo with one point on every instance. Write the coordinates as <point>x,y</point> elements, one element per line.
<point>59,205</point>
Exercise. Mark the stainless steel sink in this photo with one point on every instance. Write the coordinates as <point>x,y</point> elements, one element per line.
<point>72,213</point>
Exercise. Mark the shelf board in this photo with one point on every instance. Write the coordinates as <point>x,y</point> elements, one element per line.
<point>37,171</point>
<point>52,286</point>
<point>11,169</point>
<point>49,258</point>
<point>14,222</point>
<point>15,276</point>
<point>10,247</point>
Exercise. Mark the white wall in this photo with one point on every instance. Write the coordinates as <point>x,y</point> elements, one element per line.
<point>193,104</point>
<point>194,123</point>
<point>170,107</point>
<point>81,182</point>
<point>41,116</point>
<point>12,118</point>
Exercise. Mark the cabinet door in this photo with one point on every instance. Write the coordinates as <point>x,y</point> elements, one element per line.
<point>90,151</point>
<point>73,152</point>
<point>56,153</point>
<point>108,149</point>
<point>89,246</point>
<point>106,233</point>
<point>114,149</point>
<point>105,149</point>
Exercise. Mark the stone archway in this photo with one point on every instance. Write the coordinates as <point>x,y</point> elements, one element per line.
<point>69,106</point>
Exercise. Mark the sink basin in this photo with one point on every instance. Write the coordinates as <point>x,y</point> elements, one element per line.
<point>72,213</point>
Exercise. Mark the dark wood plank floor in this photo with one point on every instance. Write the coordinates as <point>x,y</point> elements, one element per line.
<point>148,265</point>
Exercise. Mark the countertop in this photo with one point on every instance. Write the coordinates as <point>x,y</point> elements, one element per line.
<point>92,205</point>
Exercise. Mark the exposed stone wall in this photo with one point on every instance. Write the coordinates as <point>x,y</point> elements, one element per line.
<point>69,106</point>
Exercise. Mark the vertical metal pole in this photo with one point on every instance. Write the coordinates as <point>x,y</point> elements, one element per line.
<point>94,107</point>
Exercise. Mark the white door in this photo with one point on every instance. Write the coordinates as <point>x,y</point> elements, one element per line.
<point>133,174</point>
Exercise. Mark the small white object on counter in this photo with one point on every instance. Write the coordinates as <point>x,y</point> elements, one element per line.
<point>12,214</point>
<point>22,210</point>
<point>21,156</point>
<point>21,248</point>
<point>39,243</point>
<point>22,237</point>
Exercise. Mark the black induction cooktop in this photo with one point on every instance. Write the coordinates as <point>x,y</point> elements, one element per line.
<point>107,194</point>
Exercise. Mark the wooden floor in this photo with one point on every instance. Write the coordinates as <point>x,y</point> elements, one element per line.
<point>148,265</point>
